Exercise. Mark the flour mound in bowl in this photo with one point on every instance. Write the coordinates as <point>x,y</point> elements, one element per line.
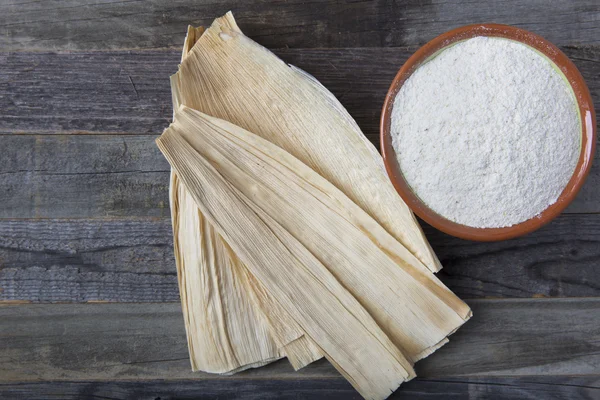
<point>487,133</point>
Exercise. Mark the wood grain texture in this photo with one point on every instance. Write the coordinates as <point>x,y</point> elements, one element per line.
<point>124,92</point>
<point>488,388</point>
<point>110,24</point>
<point>85,176</point>
<point>87,260</point>
<point>82,176</point>
<point>85,91</point>
<point>86,122</point>
<point>147,341</point>
<point>128,91</point>
<point>131,260</point>
<point>560,259</point>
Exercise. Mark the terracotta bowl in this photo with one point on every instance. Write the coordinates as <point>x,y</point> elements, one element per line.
<point>588,133</point>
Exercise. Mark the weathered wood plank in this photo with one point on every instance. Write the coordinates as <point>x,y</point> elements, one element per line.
<point>79,176</point>
<point>128,92</point>
<point>490,388</point>
<point>131,260</point>
<point>76,93</point>
<point>93,91</point>
<point>560,259</point>
<point>87,260</point>
<point>108,24</point>
<point>85,342</point>
<point>82,176</point>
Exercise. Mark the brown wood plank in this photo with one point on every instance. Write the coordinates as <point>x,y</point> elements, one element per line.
<point>492,388</point>
<point>108,24</point>
<point>131,260</point>
<point>120,342</point>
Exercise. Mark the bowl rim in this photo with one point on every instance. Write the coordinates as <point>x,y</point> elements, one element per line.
<point>588,131</point>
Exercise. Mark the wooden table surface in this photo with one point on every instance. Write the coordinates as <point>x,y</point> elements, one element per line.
<point>88,290</point>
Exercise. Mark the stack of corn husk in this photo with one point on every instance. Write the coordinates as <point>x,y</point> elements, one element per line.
<point>290,240</point>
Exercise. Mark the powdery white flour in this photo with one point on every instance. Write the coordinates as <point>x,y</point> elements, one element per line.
<point>487,133</point>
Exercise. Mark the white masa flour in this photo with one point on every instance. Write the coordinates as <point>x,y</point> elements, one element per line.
<point>487,133</point>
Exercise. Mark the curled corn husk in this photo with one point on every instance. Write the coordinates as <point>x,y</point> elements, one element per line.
<point>326,311</point>
<point>228,330</point>
<point>233,320</point>
<point>342,243</point>
<point>227,75</point>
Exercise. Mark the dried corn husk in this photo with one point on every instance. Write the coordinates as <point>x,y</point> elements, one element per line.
<point>295,278</point>
<point>227,75</point>
<point>413,308</point>
<point>231,322</point>
<point>214,309</point>
<point>409,305</point>
<point>237,314</point>
<point>226,332</point>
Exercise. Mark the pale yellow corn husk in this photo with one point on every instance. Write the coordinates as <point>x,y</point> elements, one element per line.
<point>226,332</point>
<point>302,352</point>
<point>289,337</point>
<point>249,325</point>
<point>411,306</point>
<point>329,314</point>
<point>229,327</point>
<point>227,75</point>
<point>285,331</point>
<point>231,323</point>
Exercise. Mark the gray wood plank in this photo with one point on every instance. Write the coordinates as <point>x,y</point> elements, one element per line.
<point>109,24</point>
<point>96,92</point>
<point>488,388</point>
<point>120,342</point>
<point>131,260</point>
<point>80,176</point>
<point>124,92</point>
<point>560,259</point>
<point>87,260</point>
<point>128,91</point>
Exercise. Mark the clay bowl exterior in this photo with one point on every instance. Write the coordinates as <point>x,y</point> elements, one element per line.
<point>588,133</point>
